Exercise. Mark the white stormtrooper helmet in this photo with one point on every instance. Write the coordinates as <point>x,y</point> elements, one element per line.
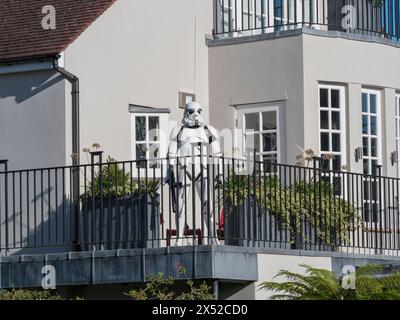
<point>192,115</point>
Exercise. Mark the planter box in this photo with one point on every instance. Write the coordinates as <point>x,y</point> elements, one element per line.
<point>248,225</point>
<point>120,223</point>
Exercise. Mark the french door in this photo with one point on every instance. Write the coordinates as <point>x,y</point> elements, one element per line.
<point>372,151</point>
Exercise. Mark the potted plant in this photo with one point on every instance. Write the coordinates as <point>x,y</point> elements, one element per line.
<point>119,211</point>
<point>263,209</point>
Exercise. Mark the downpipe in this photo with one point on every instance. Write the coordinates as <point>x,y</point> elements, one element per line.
<point>74,81</point>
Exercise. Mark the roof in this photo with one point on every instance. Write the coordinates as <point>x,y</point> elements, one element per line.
<point>22,36</point>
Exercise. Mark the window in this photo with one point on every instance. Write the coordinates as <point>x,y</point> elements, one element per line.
<point>262,131</point>
<point>150,138</point>
<point>332,126</point>
<point>371,142</point>
<point>185,98</point>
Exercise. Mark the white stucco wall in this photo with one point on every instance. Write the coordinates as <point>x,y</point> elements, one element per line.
<point>138,52</point>
<point>290,68</point>
<point>269,265</point>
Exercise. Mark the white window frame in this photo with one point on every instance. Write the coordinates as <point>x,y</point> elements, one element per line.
<point>343,124</point>
<point>397,104</point>
<point>162,141</point>
<point>378,137</point>
<point>242,111</point>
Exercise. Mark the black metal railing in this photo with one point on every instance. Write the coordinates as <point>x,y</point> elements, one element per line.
<point>238,202</point>
<point>249,17</point>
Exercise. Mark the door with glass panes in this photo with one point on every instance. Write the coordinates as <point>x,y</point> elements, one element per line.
<point>372,154</point>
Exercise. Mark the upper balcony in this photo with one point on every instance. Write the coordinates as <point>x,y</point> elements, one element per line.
<point>240,18</point>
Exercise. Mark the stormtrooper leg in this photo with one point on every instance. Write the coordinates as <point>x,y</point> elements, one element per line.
<point>180,214</point>
<point>210,229</point>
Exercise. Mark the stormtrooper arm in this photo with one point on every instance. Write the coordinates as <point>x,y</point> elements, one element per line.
<point>214,146</point>
<point>173,146</point>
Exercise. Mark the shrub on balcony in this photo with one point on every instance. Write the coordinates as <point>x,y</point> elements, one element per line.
<point>311,203</point>
<point>113,181</point>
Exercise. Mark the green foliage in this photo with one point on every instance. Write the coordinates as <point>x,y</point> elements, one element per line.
<point>313,202</point>
<point>321,284</point>
<point>20,294</point>
<point>160,288</point>
<point>377,3</point>
<point>112,180</point>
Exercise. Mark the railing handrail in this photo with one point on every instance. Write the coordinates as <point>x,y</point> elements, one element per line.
<point>166,160</point>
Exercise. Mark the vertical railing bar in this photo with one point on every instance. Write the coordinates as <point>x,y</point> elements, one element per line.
<point>161,197</point>
<point>56,202</point>
<point>13,205</point>
<point>41,207</point>
<point>49,205</point>
<point>27,210</point>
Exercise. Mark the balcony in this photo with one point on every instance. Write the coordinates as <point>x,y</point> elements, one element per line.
<point>240,18</point>
<point>236,202</point>
<point>115,222</point>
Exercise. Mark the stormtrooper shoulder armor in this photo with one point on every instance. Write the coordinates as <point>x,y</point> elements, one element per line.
<point>175,133</point>
<point>213,133</point>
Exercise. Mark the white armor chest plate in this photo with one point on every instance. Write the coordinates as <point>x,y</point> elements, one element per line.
<point>190,141</point>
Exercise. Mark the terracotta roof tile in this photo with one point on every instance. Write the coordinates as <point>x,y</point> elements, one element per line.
<point>21,32</point>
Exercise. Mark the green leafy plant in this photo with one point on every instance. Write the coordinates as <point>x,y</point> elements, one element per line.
<point>20,294</point>
<point>112,180</point>
<point>313,202</point>
<point>160,288</point>
<point>321,284</point>
<point>377,3</point>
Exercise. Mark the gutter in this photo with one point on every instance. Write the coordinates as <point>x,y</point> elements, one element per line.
<point>37,58</point>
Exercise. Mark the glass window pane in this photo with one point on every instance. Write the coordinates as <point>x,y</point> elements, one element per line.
<point>374,147</point>
<point>269,120</point>
<point>154,154</point>
<point>365,124</point>
<point>154,127</point>
<point>323,98</point>
<point>335,98</point>
<point>271,158</point>
<point>372,105</point>
<point>335,120</point>
<point>325,164</point>
<point>337,163</point>
<point>324,141</point>
<point>365,147</point>
<point>373,125</point>
<point>364,102</point>
<point>367,187</point>
<point>336,142</point>
<point>140,155</point>
<point>324,120</point>
<point>374,169</point>
<point>140,128</point>
<point>270,142</point>
<point>252,121</point>
<point>253,142</point>
<point>366,166</point>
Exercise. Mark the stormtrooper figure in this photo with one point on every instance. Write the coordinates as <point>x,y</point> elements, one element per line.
<point>191,145</point>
